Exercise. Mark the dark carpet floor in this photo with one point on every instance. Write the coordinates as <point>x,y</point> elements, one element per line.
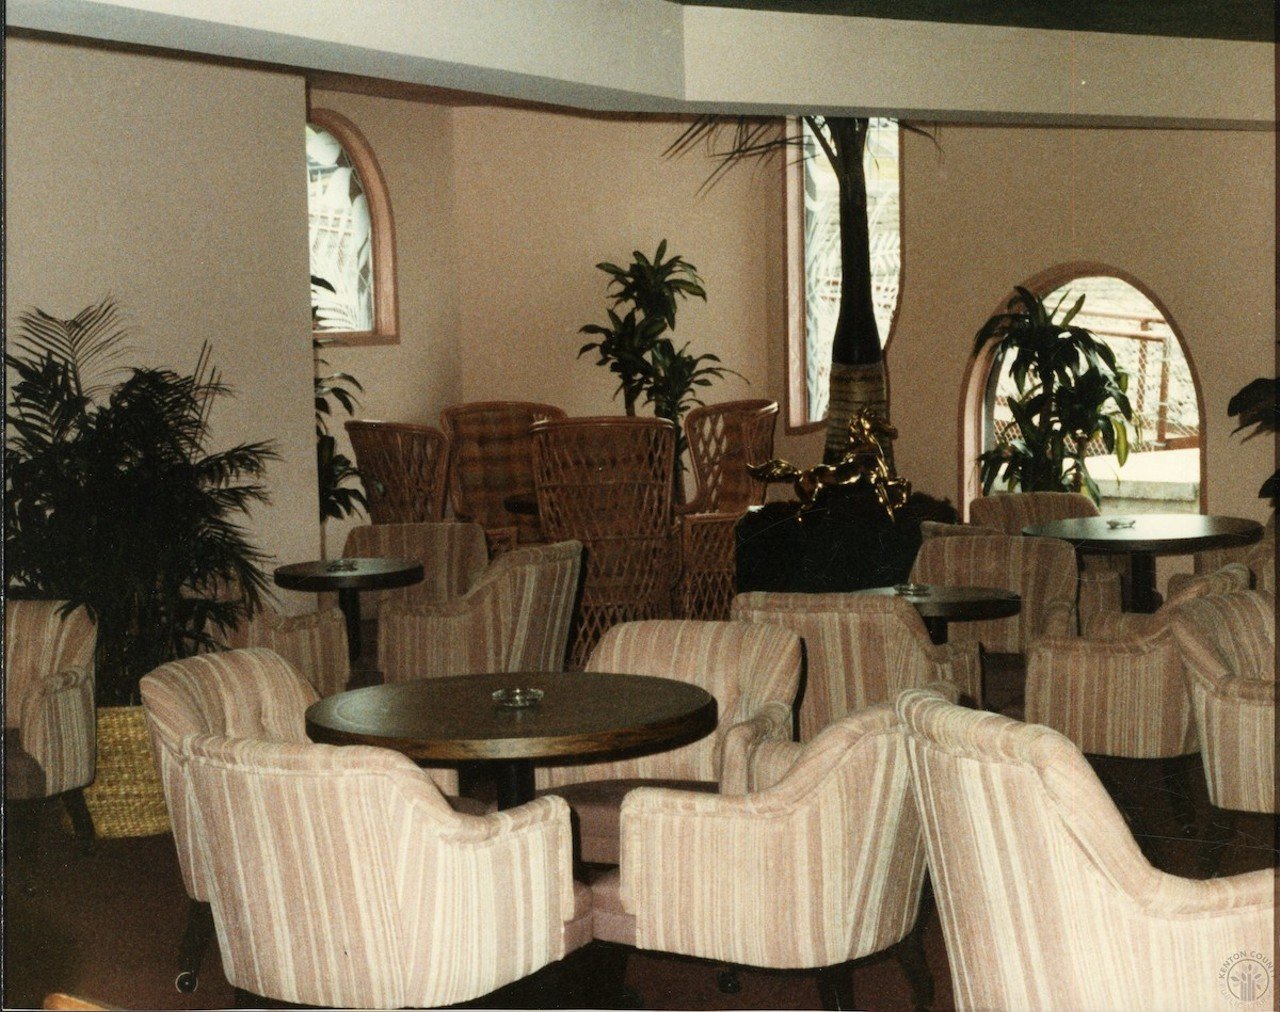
<point>107,924</point>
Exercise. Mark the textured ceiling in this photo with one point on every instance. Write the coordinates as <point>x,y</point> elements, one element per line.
<point>1241,20</point>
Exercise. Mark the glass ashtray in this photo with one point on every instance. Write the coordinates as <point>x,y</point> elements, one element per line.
<point>1119,525</point>
<point>911,589</point>
<point>517,698</point>
<point>341,566</point>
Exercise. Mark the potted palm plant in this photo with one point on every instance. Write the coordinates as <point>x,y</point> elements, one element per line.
<point>1070,392</point>
<point>114,501</point>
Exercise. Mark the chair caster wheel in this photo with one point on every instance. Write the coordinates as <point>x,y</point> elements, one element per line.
<point>728,982</point>
<point>186,982</point>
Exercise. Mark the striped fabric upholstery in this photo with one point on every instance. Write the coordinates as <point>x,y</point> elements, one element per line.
<point>1045,900</point>
<point>315,644</point>
<point>343,879</point>
<point>1042,570</point>
<point>1260,558</point>
<point>48,693</point>
<point>453,557</point>
<point>1100,584</point>
<point>491,457</point>
<point>860,649</point>
<point>753,672</point>
<point>251,693</point>
<point>1228,644</point>
<point>1123,695</point>
<point>824,866</point>
<point>515,618</point>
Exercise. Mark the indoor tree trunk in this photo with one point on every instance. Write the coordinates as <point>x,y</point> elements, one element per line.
<point>857,364</point>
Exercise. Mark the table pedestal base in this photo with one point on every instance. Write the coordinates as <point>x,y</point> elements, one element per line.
<point>515,782</point>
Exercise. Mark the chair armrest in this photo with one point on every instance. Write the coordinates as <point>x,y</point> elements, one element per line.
<point>1245,690</point>
<point>57,720</point>
<point>1124,625</point>
<point>1173,896</point>
<point>1058,619</point>
<point>770,762</point>
<point>772,722</point>
<point>959,665</point>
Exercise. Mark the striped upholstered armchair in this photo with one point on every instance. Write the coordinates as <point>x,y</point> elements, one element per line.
<point>1041,570</point>
<point>1228,644</point>
<point>49,742</point>
<point>381,895</point>
<point>860,649</point>
<point>315,644</point>
<point>453,557</point>
<point>1121,691</point>
<point>515,617</point>
<point>1044,897</point>
<point>251,693</point>
<point>822,862</point>
<point>753,672</point>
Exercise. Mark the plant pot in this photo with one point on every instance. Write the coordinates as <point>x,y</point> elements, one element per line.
<point>126,797</point>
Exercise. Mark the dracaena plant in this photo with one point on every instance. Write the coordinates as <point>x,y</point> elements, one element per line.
<point>1257,406</point>
<point>113,499</point>
<point>644,297</point>
<point>1070,391</point>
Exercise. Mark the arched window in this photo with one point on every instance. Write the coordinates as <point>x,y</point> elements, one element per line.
<point>1165,468</point>
<point>352,235</point>
<point>813,224</point>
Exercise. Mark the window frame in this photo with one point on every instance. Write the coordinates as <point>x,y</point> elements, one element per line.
<point>386,306</point>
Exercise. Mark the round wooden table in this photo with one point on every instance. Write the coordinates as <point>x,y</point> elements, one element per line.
<point>1143,536</point>
<point>348,577</point>
<point>583,714</point>
<point>939,605</point>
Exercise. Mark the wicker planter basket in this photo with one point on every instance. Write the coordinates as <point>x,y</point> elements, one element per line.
<point>126,797</point>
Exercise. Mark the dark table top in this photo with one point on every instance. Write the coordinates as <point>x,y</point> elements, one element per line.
<point>350,574</point>
<point>455,718</point>
<point>1156,533</point>
<point>957,604</point>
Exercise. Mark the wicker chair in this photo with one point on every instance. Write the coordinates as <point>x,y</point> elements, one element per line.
<point>860,650</point>
<point>1044,897</point>
<point>1101,576</point>
<point>340,878</point>
<point>753,672</point>
<point>723,439</point>
<point>404,469</point>
<point>606,482</point>
<point>490,458</point>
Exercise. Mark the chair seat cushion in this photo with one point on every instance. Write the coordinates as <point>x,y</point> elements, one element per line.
<point>596,807</point>
<point>23,775</point>
<point>610,923</point>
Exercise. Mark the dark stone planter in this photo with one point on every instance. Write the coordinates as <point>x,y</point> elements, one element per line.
<point>846,542</point>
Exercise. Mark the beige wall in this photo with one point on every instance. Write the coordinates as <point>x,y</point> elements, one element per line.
<point>178,188</point>
<point>1190,214</point>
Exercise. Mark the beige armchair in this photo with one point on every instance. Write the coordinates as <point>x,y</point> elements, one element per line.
<point>1121,691</point>
<point>48,696</point>
<point>514,618</point>
<point>822,863</point>
<point>751,670</point>
<point>860,649</point>
<point>342,878</point>
<point>315,644</point>
<point>1041,570</point>
<point>1228,646</point>
<point>453,557</point>
<point>1044,898</point>
<point>1259,558</point>
<point>49,733</point>
<point>252,693</point>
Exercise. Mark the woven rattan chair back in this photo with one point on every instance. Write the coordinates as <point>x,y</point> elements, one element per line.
<point>404,468</point>
<point>490,458</point>
<point>607,483</point>
<point>723,439</point>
